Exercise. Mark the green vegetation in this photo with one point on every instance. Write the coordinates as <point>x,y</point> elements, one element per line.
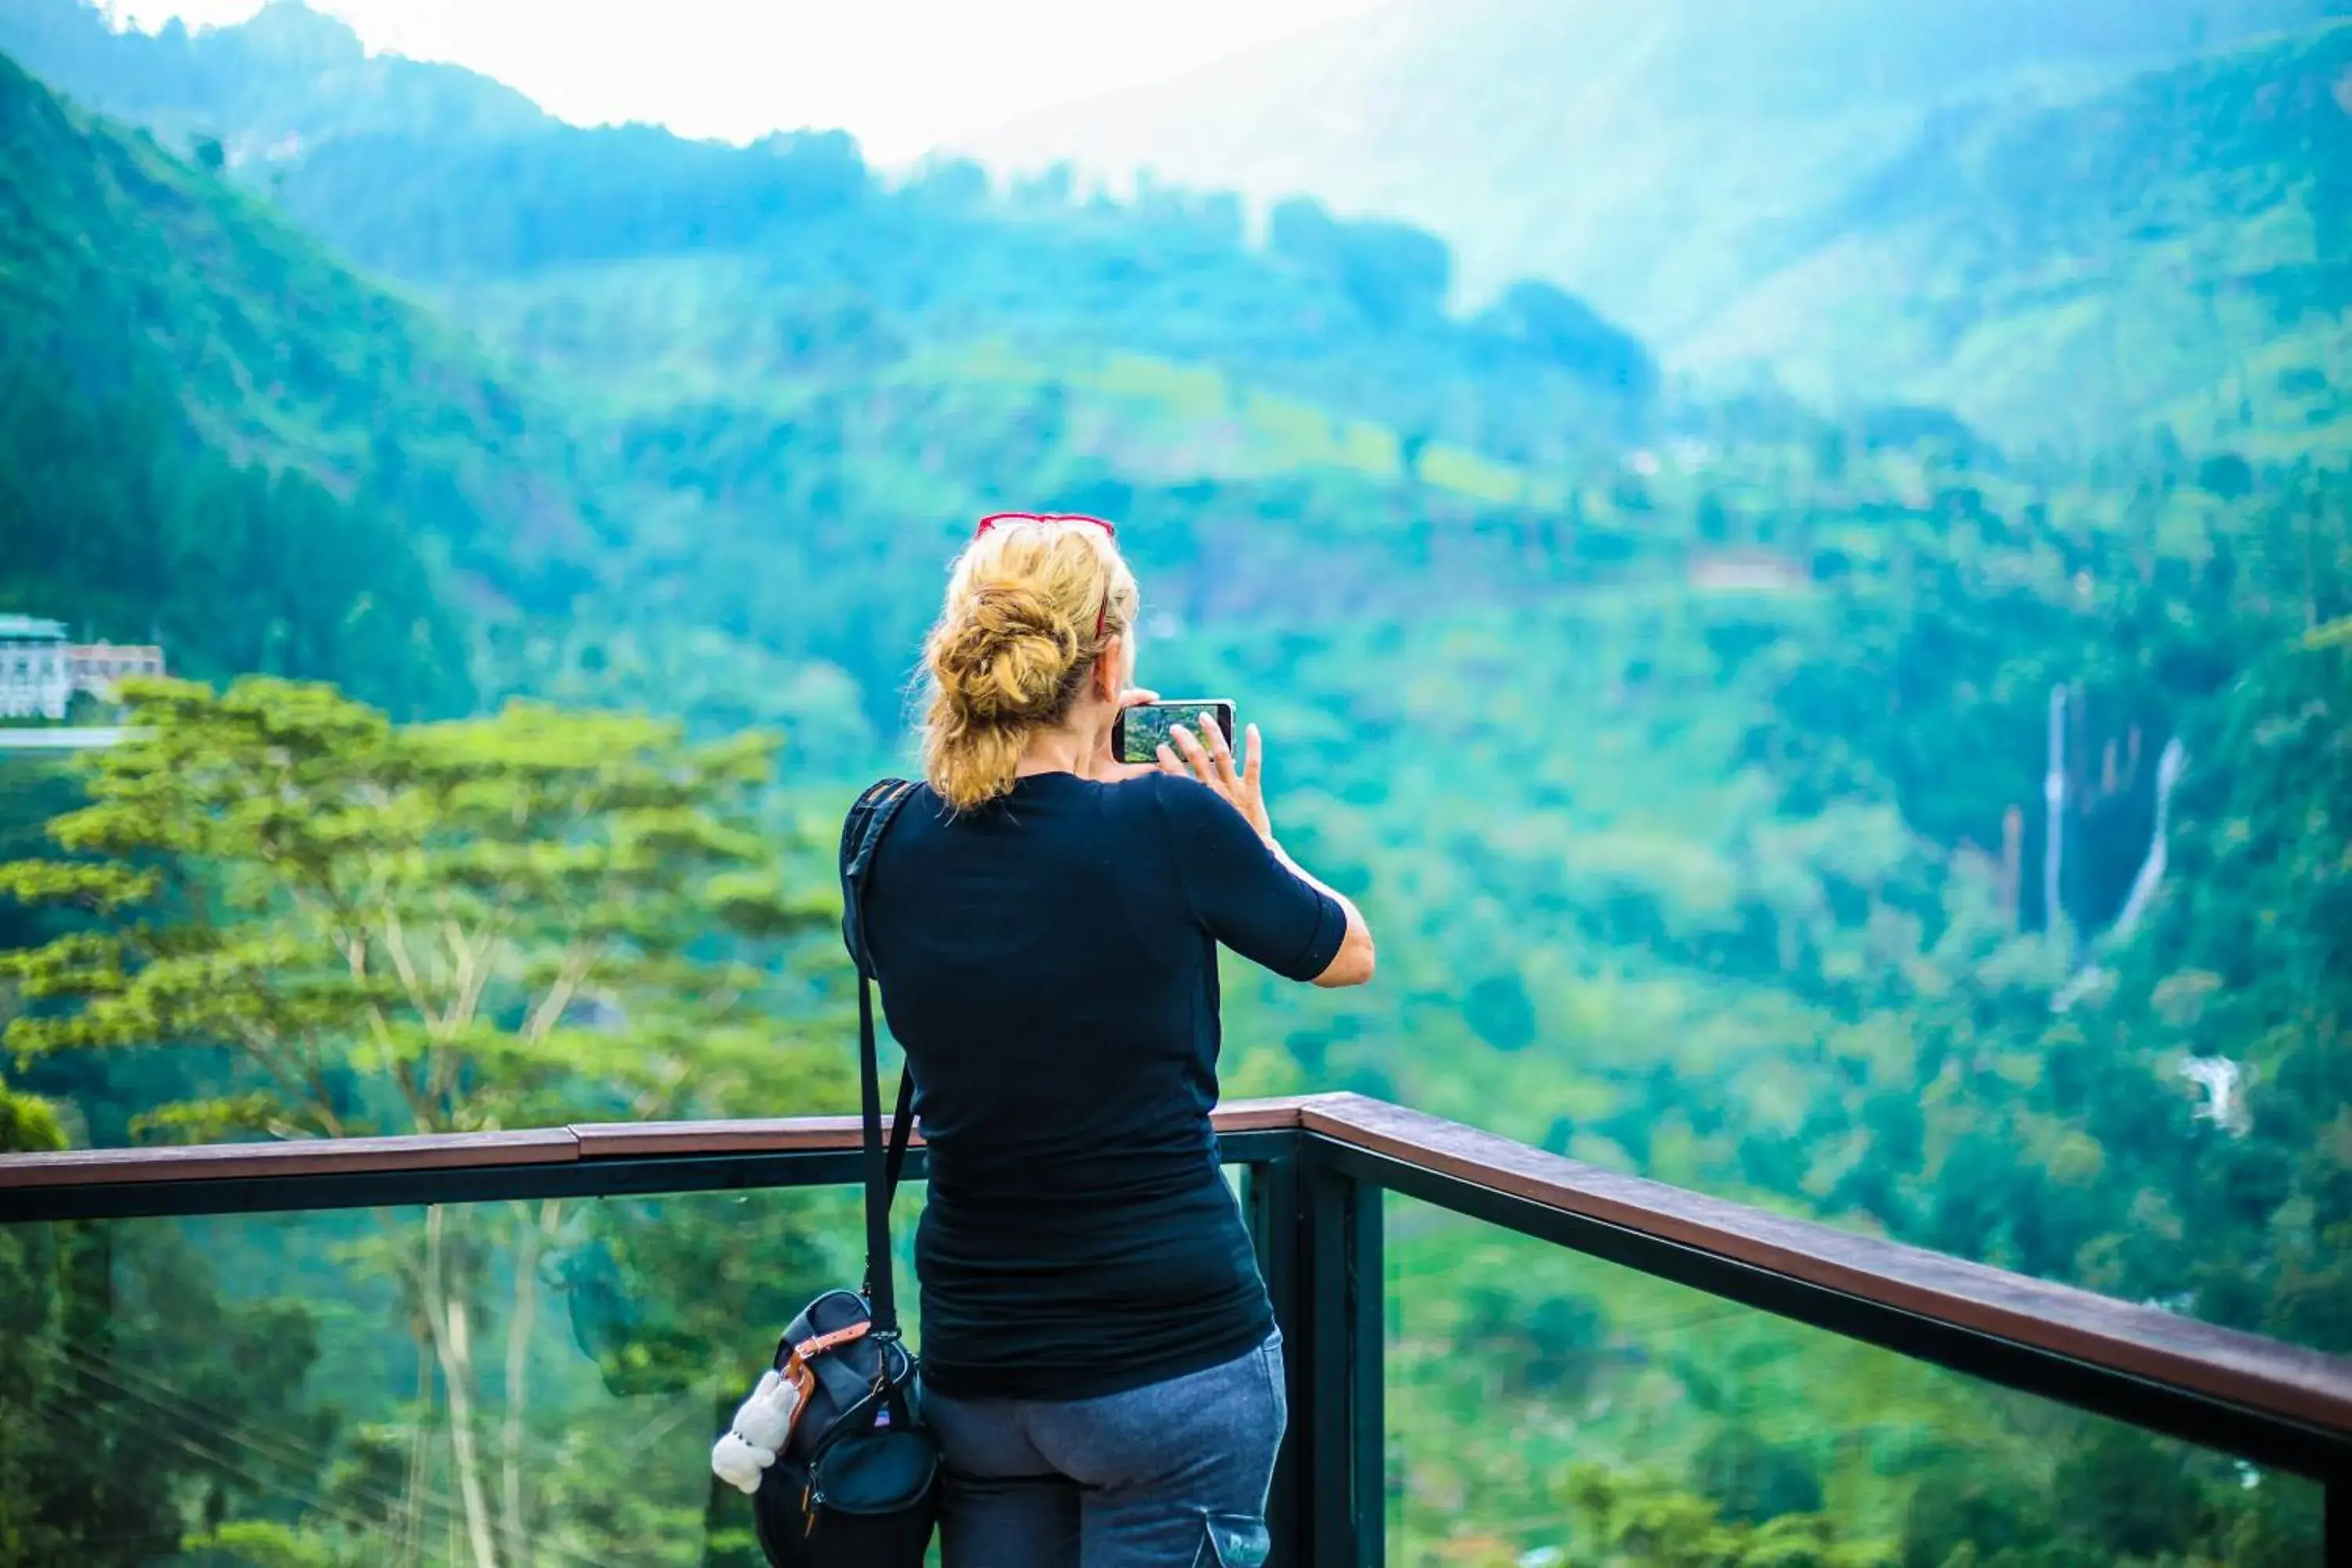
<point>1617,1420</point>
<point>210,430</point>
<point>1688,756</point>
<point>440,928</point>
<point>2200,298</point>
<point>290,75</point>
<point>513,921</point>
<point>2070,223</point>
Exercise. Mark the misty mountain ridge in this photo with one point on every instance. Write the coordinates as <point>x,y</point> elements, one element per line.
<point>1779,188</point>
<point>272,87</point>
<point>406,187</point>
<point>1579,140</point>
<point>1778,197</point>
<point>2174,251</point>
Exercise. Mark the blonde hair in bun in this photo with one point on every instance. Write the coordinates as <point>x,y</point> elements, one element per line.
<point>1013,647</point>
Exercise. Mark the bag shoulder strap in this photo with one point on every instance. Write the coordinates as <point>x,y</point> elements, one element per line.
<point>869,818</point>
<point>861,832</point>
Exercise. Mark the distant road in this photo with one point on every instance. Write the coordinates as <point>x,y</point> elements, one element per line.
<point>61,738</point>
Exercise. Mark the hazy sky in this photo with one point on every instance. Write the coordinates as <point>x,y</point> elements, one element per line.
<point>903,75</point>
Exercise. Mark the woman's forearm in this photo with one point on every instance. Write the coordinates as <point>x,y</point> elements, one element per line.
<point>1354,962</point>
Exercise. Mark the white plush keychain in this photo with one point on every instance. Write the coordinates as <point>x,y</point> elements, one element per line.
<point>762,1423</point>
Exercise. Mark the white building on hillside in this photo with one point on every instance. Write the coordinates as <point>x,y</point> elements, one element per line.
<point>36,668</point>
<point>40,671</point>
<point>96,668</point>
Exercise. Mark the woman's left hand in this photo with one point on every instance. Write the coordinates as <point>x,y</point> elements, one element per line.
<point>1107,768</point>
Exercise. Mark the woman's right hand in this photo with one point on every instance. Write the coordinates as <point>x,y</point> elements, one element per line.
<point>1239,786</point>
<point>1215,765</point>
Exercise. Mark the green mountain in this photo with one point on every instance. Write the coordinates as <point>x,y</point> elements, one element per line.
<point>2174,251</point>
<point>1716,172</point>
<point>796,382</point>
<point>1651,155</point>
<point>269,90</point>
<point>777,364</point>
<point>213,434</point>
<point>367,152</point>
<point>1671,745</point>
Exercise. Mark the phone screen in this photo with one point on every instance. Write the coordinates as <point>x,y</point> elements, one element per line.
<point>1141,730</point>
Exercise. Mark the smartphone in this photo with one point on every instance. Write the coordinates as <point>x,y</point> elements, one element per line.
<point>1137,734</point>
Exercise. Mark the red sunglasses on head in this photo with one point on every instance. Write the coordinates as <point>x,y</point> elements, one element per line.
<point>992,519</point>
<point>1110,529</point>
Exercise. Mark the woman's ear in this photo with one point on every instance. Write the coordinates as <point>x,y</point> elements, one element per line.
<point>1111,670</point>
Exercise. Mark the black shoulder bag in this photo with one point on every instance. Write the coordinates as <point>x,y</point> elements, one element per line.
<point>856,1483</point>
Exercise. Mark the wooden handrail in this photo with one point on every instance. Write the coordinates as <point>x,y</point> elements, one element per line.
<point>489,1151</point>
<point>2147,1341</point>
<point>2162,1347</point>
<point>292,1157</point>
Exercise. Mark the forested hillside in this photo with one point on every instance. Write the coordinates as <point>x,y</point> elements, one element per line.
<point>216,433</point>
<point>1689,756</point>
<point>1652,156</point>
<point>411,189</point>
<point>1957,203</point>
<point>778,365</point>
<point>288,79</point>
<point>2173,255</point>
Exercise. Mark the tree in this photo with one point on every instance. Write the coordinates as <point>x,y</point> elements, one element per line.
<point>1394,272</point>
<point>1534,318</point>
<point>506,921</point>
<point>127,1382</point>
<point>1639,1518</point>
<point>1753,1481</point>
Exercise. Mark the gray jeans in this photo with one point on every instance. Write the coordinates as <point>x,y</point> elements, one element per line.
<point>1172,1474</point>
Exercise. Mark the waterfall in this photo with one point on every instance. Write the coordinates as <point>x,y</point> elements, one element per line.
<point>2053,799</point>
<point>2169,769</point>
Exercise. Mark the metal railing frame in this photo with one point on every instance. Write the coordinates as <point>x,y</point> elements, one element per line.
<point>1315,1171</point>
